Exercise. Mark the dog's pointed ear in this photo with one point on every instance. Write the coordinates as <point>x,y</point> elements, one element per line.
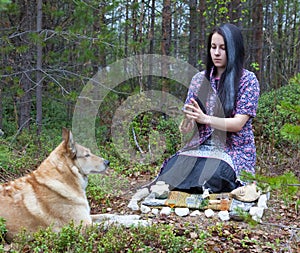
<point>69,141</point>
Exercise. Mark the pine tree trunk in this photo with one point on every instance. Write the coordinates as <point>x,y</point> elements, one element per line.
<point>151,42</point>
<point>258,37</point>
<point>193,39</point>
<point>202,35</point>
<point>166,43</point>
<point>39,87</point>
<point>24,103</point>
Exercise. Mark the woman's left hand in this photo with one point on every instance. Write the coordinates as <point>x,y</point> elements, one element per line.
<point>193,111</point>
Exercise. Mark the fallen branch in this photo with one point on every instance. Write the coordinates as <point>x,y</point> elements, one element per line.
<point>279,225</point>
<point>136,141</point>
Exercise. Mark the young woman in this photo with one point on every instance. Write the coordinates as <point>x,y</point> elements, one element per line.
<point>220,105</point>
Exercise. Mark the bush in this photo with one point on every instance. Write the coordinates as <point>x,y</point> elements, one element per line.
<point>278,115</point>
<point>101,187</point>
<point>24,151</point>
<point>3,230</point>
<point>156,238</point>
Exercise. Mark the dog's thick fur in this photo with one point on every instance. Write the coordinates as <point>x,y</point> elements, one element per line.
<point>54,194</point>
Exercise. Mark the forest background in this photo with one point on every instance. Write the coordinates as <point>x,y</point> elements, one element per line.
<point>50,50</point>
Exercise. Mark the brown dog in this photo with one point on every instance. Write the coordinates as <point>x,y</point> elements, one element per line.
<point>54,194</point>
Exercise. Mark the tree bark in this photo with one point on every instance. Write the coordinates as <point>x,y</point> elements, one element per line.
<point>24,103</point>
<point>258,37</point>
<point>235,11</point>
<point>39,87</point>
<point>166,43</point>
<point>166,27</point>
<point>202,35</point>
<point>193,39</point>
<point>151,42</point>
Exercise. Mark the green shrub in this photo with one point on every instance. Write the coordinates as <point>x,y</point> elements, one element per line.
<point>156,133</point>
<point>101,187</point>
<point>4,154</point>
<point>287,183</point>
<point>70,239</point>
<point>24,151</point>
<point>156,238</point>
<point>3,230</point>
<point>278,115</point>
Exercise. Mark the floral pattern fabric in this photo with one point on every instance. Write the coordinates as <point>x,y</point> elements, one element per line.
<point>239,146</point>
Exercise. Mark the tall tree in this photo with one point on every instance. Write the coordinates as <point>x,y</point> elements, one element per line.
<point>235,10</point>
<point>166,27</point>
<point>202,33</point>
<point>193,38</point>
<point>39,60</point>
<point>166,42</point>
<point>258,37</point>
<point>151,41</point>
<point>100,28</point>
<point>27,24</point>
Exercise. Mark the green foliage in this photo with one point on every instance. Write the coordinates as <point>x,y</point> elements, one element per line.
<point>4,154</point>
<point>287,184</point>
<point>25,151</point>
<point>70,239</point>
<point>109,240</point>
<point>255,66</point>
<point>290,132</point>
<point>278,115</point>
<point>156,131</point>
<point>3,4</point>
<point>3,230</point>
<point>245,216</point>
<point>127,167</point>
<point>100,187</point>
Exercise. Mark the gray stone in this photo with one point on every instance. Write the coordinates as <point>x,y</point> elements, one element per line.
<point>145,209</point>
<point>154,202</point>
<point>209,213</point>
<point>155,211</point>
<point>182,211</point>
<point>195,213</point>
<point>262,201</point>
<point>140,194</point>
<point>224,215</point>
<point>133,205</point>
<point>256,213</point>
<point>151,200</point>
<point>161,190</point>
<point>166,211</point>
<point>113,217</point>
<point>128,223</point>
<point>116,219</point>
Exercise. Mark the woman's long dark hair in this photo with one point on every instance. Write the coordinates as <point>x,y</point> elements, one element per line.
<point>235,53</point>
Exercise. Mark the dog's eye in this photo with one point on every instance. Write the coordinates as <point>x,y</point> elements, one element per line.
<point>87,155</point>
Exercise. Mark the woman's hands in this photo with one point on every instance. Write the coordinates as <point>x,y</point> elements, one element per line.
<point>193,112</point>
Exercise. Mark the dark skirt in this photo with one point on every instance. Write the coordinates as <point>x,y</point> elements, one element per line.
<point>193,174</point>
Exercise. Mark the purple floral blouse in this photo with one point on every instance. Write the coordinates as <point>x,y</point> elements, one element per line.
<point>239,146</point>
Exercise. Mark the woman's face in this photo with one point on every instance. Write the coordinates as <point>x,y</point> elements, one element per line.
<point>218,52</point>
